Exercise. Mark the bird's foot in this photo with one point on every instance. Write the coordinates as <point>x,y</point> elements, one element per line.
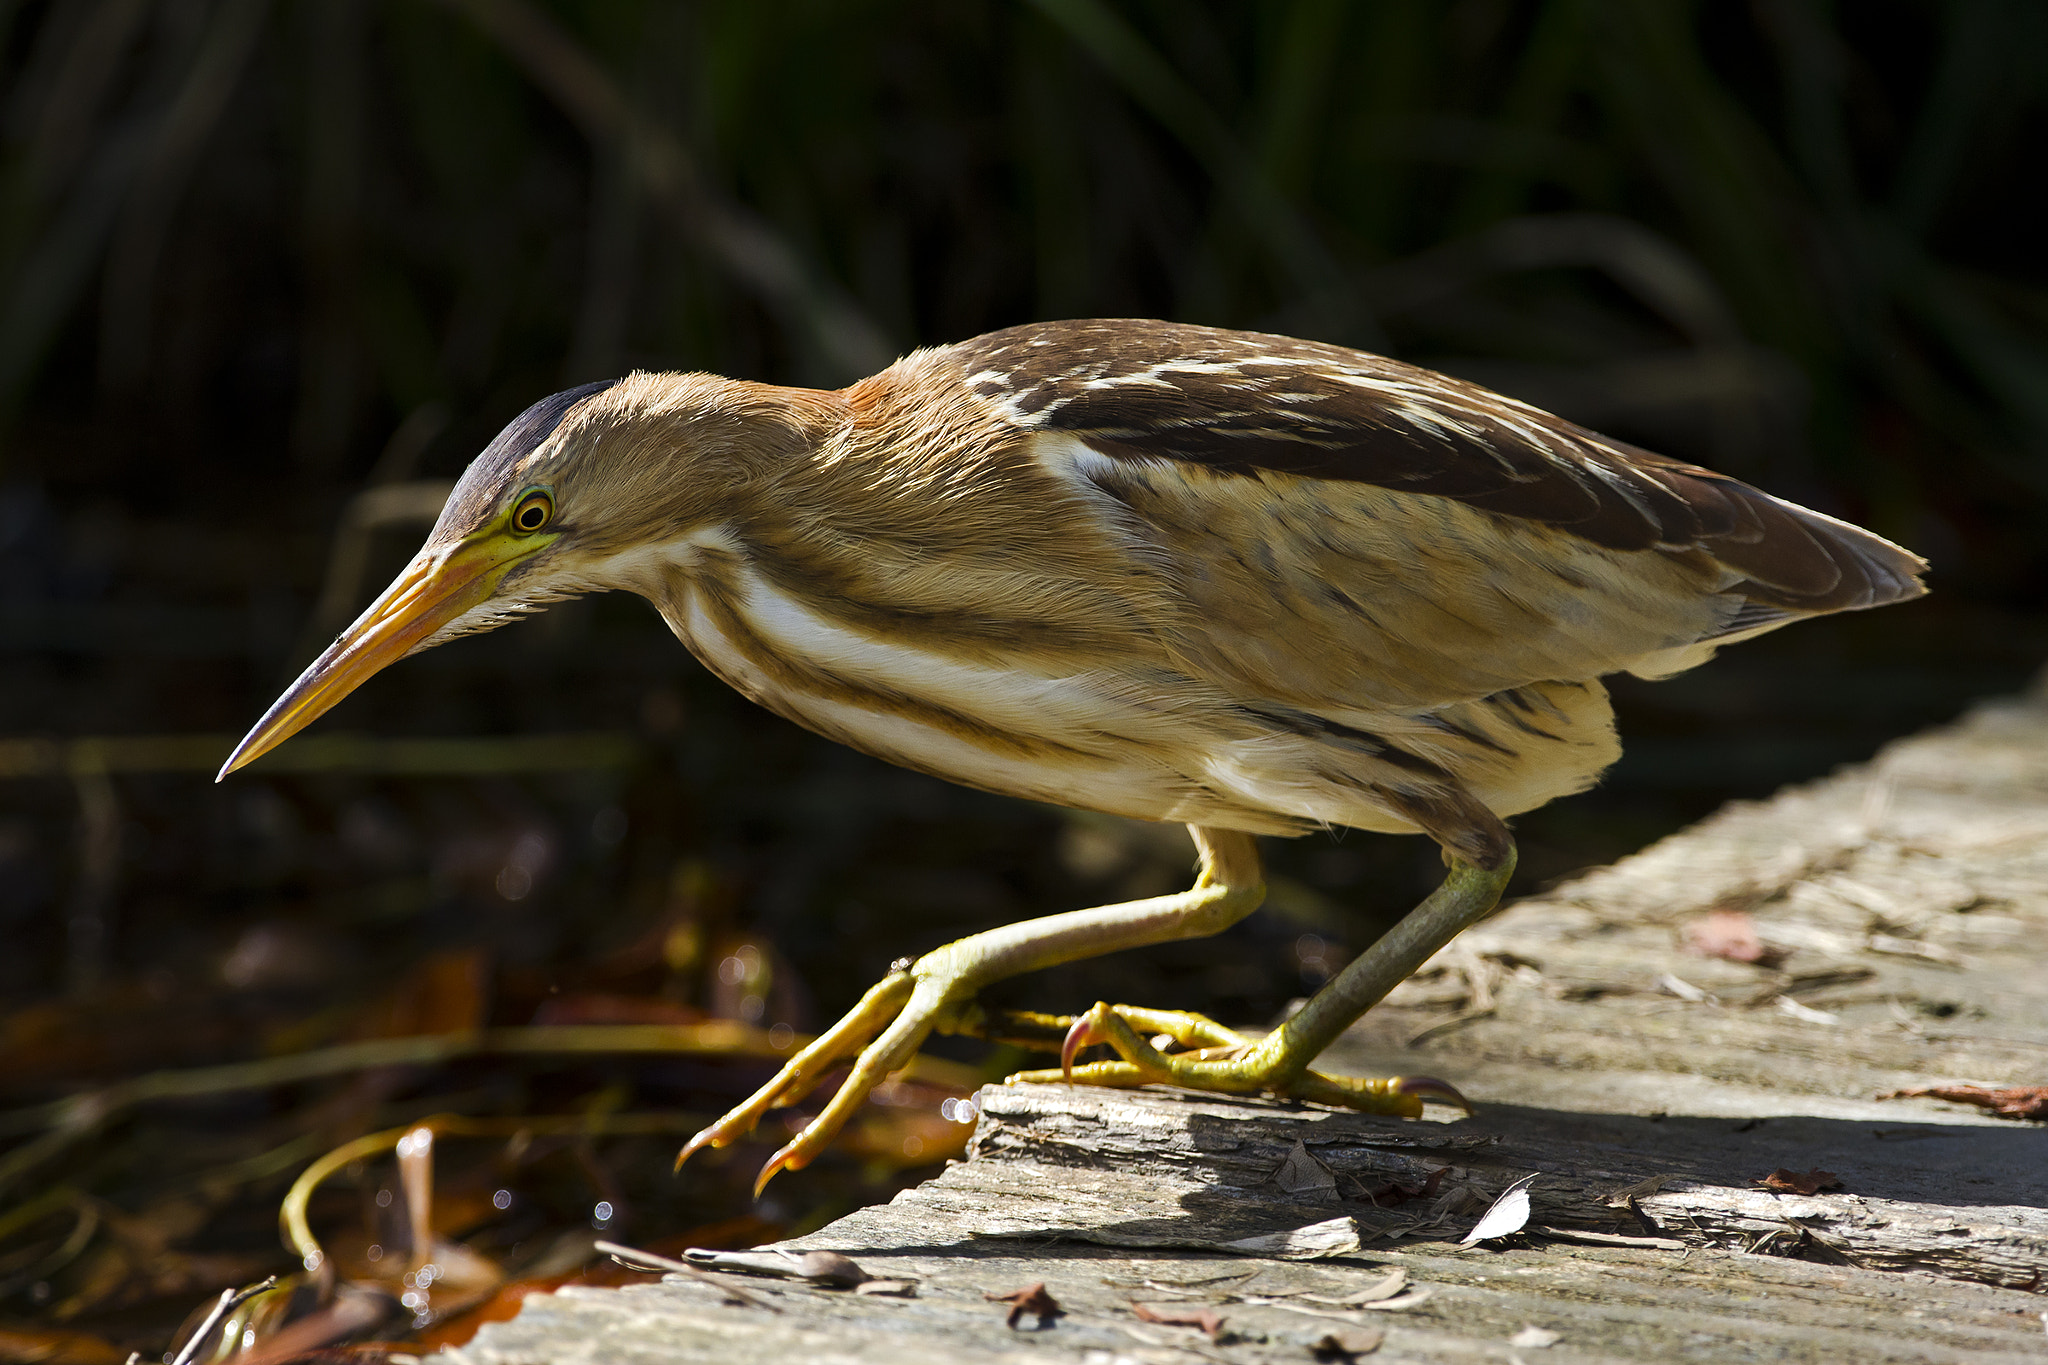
<point>1278,1064</point>
<point>938,991</point>
<point>1221,1060</point>
<point>902,1008</point>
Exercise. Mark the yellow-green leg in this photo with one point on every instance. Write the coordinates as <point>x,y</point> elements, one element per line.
<point>1278,1064</point>
<point>938,991</point>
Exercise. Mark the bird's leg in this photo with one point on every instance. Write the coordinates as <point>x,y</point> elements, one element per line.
<point>938,990</point>
<point>1278,1063</point>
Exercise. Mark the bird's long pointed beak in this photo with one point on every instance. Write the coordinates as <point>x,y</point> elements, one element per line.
<point>436,588</point>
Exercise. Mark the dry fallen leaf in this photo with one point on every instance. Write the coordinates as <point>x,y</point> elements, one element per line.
<point>1033,1299</point>
<point>1620,1198</point>
<point>1509,1214</point>
<point>818,1267</point>
<point>1534,1338</point>
<point>1783,1181</point>
<point>1393,1194</point>
<point>1804,1013</point>
<point>1589,1237</point>
<point>1729,934</point>
<point>1333,1237</point>
<point>2008,1102</point>
<point>829,1267</point>
<point>1385,1287</point>
<point>891,1289</point>
<point>1182,1315</point>
<point>1304,1177</point>
<point>1347,1343</point>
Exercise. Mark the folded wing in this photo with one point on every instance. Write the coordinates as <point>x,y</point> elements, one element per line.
<point>1348,527</point>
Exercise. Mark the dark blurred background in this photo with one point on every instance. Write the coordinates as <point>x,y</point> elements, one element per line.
<point>271,271</point>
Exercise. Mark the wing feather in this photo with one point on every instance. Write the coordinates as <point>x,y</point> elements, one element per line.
<point>1250,404</point>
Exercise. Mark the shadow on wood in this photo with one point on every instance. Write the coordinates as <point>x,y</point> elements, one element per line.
<point>1892,916</point>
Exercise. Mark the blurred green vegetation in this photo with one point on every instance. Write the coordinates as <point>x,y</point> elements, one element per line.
<point>270,269</point>
<point>1791,237</point>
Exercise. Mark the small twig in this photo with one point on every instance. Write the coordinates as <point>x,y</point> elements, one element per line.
<point>817,1267</point>
<point>633,1256</point>
<point>1590,1237</point>
<point>227,1303</point>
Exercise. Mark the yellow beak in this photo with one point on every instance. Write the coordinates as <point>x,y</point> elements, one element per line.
<point>435,589</point>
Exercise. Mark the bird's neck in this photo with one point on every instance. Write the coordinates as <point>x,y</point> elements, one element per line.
<point>762,456</point>
<point>914,512</point>
<point>887,458</point>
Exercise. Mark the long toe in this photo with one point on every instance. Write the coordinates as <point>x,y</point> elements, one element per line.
<point>882,1007</point>
<point>1223,1062</point>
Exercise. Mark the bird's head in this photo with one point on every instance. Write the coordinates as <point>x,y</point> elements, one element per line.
<point>566,500</point>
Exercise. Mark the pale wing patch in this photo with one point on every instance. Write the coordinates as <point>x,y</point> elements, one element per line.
<point>1119,778</point>
<point>1283,773</point>
<point>1149,791</point>
<point>1076,709</point>
<point>1084,469</point>
<point>1166,752</point>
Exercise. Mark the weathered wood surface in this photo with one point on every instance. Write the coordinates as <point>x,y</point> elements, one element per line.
<point>1904,905</point>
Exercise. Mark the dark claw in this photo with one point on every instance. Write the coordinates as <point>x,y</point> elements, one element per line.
<point>1080,1035</point>
<point>784,1160</point>
<point>692,1147</point>
<point>1430,1088</point>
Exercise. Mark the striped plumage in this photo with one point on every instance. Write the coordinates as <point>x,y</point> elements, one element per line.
<point>1246,582</point>
<point>1171,572</point>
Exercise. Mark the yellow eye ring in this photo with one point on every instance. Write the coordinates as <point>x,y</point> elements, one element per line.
<point>533,511</point>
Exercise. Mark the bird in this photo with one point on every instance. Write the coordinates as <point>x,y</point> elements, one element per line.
<point>1253,584</point>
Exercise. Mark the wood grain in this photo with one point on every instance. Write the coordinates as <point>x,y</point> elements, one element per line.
<point>1902,903</point>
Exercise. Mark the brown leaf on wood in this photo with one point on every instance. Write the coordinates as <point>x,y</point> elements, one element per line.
<point>1182,1315</point>
<point>1347,1343</point>
<point>1032,1298</point>
<point>893,1289</point>
<point>1305,1177</point>
<point>1729,934</point>
<point>2008,1102</point>
<point>1782,1181</point>
<point>1393,1194</point>
<point>829,1267</point>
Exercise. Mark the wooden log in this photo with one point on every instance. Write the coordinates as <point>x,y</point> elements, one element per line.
<point>1894,915</point>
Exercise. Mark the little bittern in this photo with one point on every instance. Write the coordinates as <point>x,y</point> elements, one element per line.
<point>1252,584</point>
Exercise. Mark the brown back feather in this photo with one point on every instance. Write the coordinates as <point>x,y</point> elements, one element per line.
<point>1250,403</point>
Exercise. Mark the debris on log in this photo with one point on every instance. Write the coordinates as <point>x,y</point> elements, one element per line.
<point>1727,1154</point>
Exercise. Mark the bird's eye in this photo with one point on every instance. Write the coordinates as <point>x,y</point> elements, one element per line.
<point>534,511</point>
